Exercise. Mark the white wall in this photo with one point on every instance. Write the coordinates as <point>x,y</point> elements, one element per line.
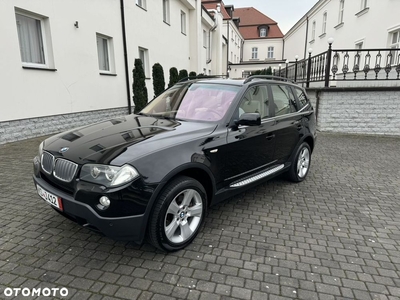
<point>373,27</point>
<point>262,45</point>
<point>77,84</point>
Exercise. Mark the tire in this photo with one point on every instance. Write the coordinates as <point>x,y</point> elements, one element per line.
<point>178,214</point>
<point>301,163</point>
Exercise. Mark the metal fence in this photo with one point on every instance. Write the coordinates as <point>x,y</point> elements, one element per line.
<point>345,65</point>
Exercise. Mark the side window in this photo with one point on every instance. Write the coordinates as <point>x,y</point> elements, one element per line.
<point>302,97</point>
<point>284,100</point>
<point>255,100</point>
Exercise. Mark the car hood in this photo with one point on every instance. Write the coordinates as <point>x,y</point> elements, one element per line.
<point>121,140</point>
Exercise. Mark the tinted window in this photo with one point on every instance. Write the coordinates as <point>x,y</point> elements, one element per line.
<point>283,99</point>
<point>301,96</point>
<point>197,102</point>
<point>255,100</point>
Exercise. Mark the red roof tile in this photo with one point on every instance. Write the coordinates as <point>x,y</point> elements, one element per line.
<point>251,19</point>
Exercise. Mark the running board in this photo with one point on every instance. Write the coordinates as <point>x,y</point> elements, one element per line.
<point>257,177</point>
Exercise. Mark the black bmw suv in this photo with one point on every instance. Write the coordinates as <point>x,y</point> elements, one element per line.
<point>155,173</point>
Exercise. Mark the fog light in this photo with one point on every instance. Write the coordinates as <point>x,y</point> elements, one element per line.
<point>105,201</point>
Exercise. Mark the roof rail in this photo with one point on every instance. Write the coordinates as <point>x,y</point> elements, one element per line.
<point>201,77</point>
<point>250,78</point>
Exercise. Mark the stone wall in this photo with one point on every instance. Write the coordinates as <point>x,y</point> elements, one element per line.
<point>16,130</point>
<point>358,110</point>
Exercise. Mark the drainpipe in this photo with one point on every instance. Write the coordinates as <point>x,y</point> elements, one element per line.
<point>128,90</point>
<point>215,11</point>
<point>227,50</point>
<point>305,44</point>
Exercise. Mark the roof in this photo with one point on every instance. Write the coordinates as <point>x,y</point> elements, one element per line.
<point>212,4</point>
<point>252,16</point>
<point>251,19</point>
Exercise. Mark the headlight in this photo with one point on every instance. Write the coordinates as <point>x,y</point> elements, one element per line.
<point>41,149</point>
<point>108,175</point>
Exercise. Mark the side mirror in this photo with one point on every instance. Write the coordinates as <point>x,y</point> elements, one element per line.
<point>249,119</point>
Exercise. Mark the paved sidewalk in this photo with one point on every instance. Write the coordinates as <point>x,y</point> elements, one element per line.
<point>334,236</point>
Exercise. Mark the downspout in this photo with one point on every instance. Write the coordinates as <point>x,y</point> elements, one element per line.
<point>215,11</point>
<point>227,51</point>
<point>128,90</point>
<point>283,50</point>
<point>305,44</point>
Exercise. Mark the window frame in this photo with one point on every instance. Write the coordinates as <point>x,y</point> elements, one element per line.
<point>263,30</point>
<point>254,53</point>
<point>324,22</point>
<point>313,29</point>
<point>341,11</point>
<point>45,52</point>
<point>166,11</point>
<point>142,4</point>
<point>270,50</point>
<point>110,54</point>
<point>145,61</point>
<point>183,22</point>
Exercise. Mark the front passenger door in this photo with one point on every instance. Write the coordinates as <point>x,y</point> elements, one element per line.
<point>249,149</point>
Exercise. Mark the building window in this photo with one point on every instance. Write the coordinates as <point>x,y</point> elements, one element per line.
<point>263,32</point>
<point>254,53</point>
<point>141,3</point>
<point>341,11</point>
<point>183,22</point>
<point>166,11</point>
<point>357,59</point>
<point>324,20</point>
<point>395,39</point>
<point>103,53</point>
<point>144,57</point>
<point>205,41</point>
<point>31,40</point>
<point>270,52</point>
<point>364,4</point>
<point>314,25</point>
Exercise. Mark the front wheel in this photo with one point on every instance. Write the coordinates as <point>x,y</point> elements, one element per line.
<point>301,163</point>
<point>178,214</point>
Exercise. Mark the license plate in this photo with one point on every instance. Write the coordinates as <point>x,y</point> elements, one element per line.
<point>50,198</point>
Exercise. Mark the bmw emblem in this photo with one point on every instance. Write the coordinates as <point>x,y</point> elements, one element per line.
<point>63,150</point>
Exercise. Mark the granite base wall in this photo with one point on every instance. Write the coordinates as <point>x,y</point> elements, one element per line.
<point>15,130</point>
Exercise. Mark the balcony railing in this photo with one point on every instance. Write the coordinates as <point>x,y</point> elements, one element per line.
<point>345,65</point>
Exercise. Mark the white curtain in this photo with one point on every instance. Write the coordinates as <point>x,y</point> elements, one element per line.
<point>30,39</point>
<point>102,49</point>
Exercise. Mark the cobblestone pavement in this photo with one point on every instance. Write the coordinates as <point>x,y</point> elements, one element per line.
<point>334,236</point>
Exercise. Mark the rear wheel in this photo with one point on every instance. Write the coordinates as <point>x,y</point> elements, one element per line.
<point>301,163</point>
<point>178,214</point>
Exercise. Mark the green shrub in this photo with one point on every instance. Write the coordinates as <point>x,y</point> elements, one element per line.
<point>192,74</point>
<point>183,74</point>
<point>173,76</point>
<point>158,79</point>
<point>140,96</point>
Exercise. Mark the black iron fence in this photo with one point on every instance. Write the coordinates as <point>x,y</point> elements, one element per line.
<point>344,65</point>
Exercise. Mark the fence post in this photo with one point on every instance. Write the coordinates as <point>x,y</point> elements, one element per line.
<point>309,68</point>
<point>328,62</point>
<point>295,69</point>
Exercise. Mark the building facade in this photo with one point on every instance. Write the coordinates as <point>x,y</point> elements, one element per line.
<point>353,24</point>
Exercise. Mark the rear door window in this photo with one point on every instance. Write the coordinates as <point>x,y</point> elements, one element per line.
<point>301,96</point>
<point>284,100</point>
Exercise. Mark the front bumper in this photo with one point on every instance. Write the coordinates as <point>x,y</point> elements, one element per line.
<point>130,228</point>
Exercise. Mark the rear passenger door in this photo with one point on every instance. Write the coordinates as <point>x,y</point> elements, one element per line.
<point>288,122</point>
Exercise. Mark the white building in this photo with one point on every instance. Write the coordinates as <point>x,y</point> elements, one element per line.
<point>354,24</point>
<point>68,57</point>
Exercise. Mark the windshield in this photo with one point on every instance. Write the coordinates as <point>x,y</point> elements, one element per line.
<point>197,102</point>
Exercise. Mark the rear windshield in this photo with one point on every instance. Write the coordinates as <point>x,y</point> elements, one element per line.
<point>195,102</point>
